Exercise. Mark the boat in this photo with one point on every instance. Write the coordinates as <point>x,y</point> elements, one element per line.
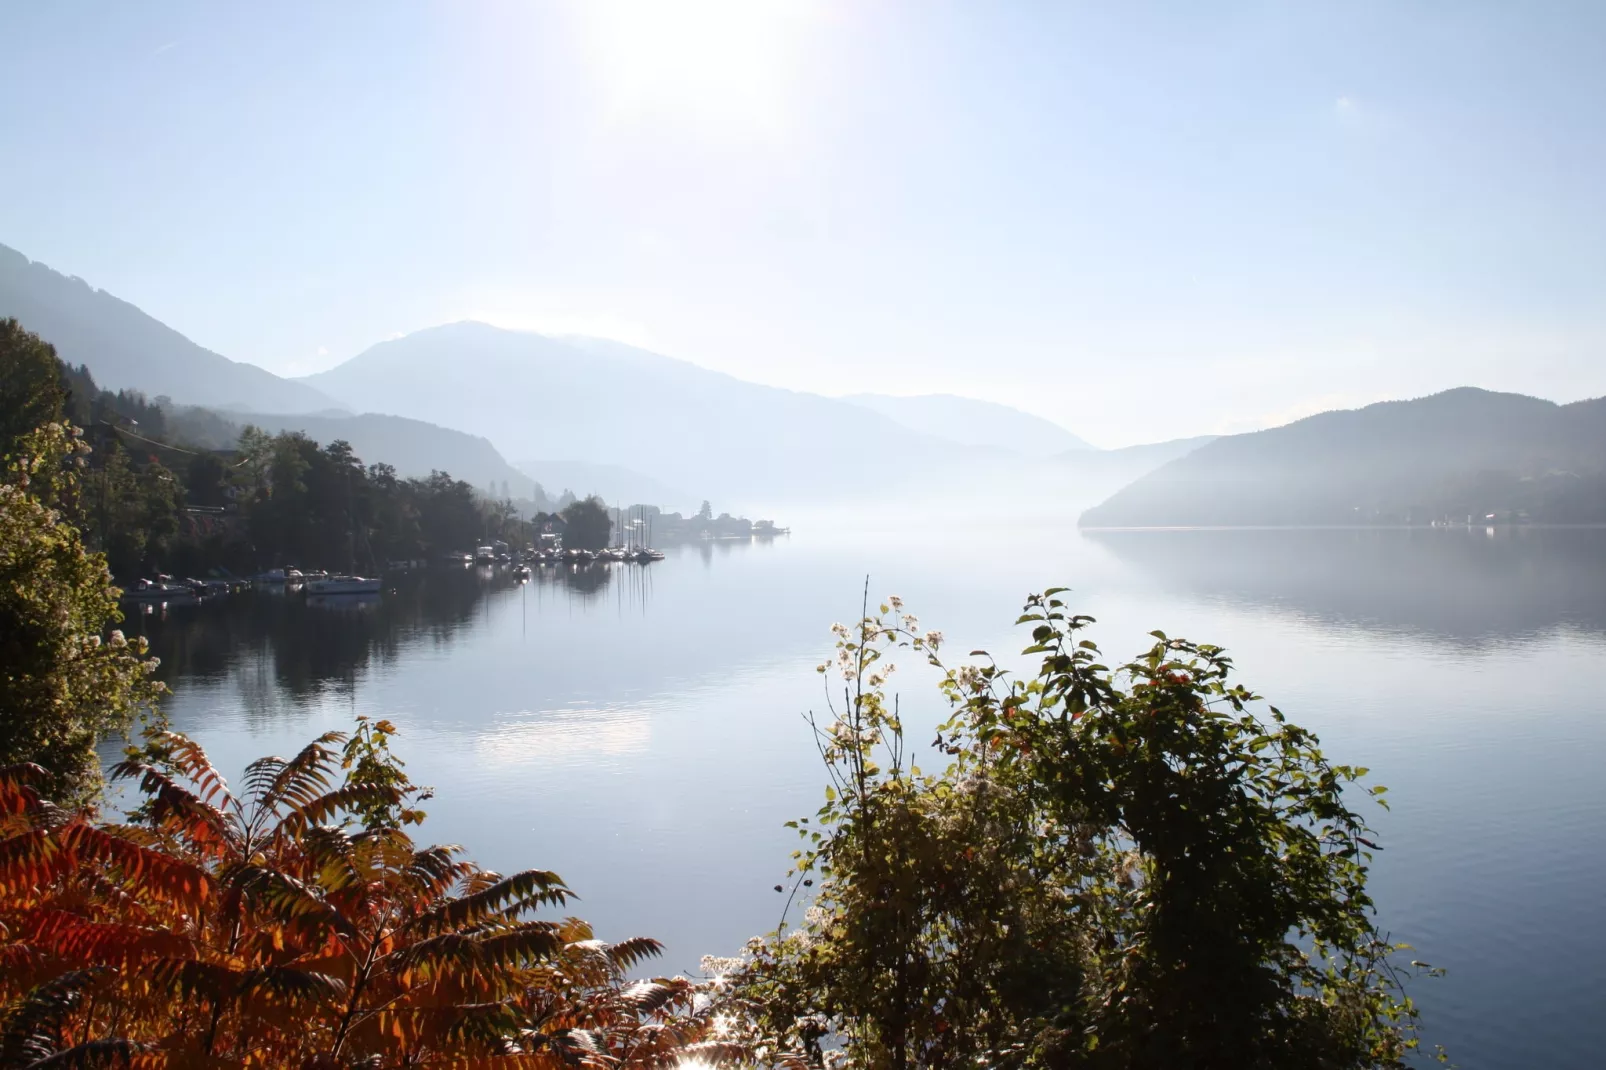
<point>342,585</point>
<point>159,590</point>
<point>484,555</point>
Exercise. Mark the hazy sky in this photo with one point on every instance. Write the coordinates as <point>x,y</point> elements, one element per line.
<point>1142,220</point>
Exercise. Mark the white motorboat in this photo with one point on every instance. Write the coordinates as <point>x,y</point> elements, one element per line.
<point>158,590</point>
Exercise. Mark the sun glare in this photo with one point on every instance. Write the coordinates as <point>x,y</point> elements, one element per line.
<point>713,62</point>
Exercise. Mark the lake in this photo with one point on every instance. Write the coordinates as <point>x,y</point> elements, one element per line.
<point>639,729</point>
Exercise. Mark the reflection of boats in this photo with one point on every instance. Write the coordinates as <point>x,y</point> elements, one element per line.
<point>352,602</point>
<point>521,572</point>
<point>484,555</point>
<point>342,585</point>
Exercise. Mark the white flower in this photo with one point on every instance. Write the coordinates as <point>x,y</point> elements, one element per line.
<point>895,602</point>
<point>117,638</point>
<point>933,639</point>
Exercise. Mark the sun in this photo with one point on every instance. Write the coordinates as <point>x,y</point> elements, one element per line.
<point>702,62</point>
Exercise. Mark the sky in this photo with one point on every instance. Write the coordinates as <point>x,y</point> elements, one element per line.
<point>1141,220</point>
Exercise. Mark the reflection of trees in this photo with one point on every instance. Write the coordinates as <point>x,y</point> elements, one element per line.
<point>309,641</point>
<point>299,644</point>
<point>1454,583</point>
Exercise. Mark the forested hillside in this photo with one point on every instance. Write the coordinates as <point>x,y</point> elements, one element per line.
<point>1458,454</point>
<point>127,349</point>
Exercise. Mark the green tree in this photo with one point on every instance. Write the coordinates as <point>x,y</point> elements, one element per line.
<point>206,480</point>
<point>587,525</point>
<point>129,513</point>
<point>64,686</point>
<point>31,385</point>
<point>1125,868</point>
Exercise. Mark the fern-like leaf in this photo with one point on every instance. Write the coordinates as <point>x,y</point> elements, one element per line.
<point>506,898</point>
<point>627,954</point>
<point>33,1026</point>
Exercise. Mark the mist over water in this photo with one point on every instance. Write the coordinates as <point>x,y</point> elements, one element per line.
<point>639,730</point>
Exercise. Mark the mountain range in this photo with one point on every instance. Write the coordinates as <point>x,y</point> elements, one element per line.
<point>970,422</point>
<point>1459,455</point>
<point>609,403</point>
<point>127,349</point>
<point>584,414</point>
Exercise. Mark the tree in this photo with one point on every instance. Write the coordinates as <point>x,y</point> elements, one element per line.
<point>705,512</point>
<point>298,924</point>
<point>65,686</point>
<point>206,480</point>
<point>1125,868</point>
<point>587,525</point>
<point>32,393</point>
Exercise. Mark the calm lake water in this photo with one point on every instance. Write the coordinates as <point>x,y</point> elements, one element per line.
<point>640,730</point>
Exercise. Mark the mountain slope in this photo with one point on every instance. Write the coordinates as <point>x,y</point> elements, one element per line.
<point>127,349</point>
<point>412,447</point>
<point>1459,453</point>
<point>970,422</point>
<point>613,483</point>
<point>612,404</point>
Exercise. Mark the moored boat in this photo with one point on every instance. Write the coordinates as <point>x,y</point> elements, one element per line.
<point>343,585</point>
<point>159,590</point>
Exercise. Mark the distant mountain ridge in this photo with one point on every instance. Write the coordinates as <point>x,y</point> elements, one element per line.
<point>124,348</point>
<point>604,416</point>
<point>1457,454</point>
<point>612,483</point>
<point>970,422</point>
<point>613,404</point>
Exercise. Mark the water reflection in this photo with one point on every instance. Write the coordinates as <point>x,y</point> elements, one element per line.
<point>309,644</point>
<point>1465,585</point>
<point>637,729</point>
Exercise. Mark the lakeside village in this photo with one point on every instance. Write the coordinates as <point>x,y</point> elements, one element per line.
<point>631,533</point>
<point>163,491</point>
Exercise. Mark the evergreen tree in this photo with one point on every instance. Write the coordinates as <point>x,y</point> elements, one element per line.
<point>32,385</point>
